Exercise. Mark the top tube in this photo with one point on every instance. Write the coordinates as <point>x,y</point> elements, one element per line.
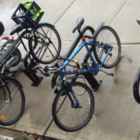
<point>79,48</point>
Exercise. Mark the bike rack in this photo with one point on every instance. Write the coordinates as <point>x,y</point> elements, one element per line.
<point>33,77</point>
<point>92,81</point>
<point>32,74</point>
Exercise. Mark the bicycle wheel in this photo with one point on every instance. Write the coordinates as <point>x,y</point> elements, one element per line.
<point>45,45</point>
<point>12,101</point>
<point>69,118</point>
<point>108,36</point>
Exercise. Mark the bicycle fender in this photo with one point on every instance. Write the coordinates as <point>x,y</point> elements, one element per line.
<point>14,80</point>
<point>49,24</point>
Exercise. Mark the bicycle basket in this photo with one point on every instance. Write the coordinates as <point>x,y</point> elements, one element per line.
<point>28,13</point>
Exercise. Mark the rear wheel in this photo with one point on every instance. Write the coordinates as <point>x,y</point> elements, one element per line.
<point>108,36</point>
<point>45,44</point>
<point>12,101</point>
<point>69,118</point>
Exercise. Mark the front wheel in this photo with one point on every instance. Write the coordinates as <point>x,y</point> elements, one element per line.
<point>69,118</point>
<point>12,101</point>
<point>45,44</point>
<point>107,36</point>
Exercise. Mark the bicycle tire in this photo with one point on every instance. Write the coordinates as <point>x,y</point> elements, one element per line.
<point>37,53</point>
<point>12,110</point>
<point>136,92</point>
<point>64,103</point>
<point>108,30</point>
<point>55,76</point>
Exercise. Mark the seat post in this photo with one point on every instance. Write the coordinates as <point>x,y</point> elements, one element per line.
<point>80,32</point>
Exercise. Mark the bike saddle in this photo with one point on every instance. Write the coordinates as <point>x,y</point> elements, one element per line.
<point>138,20</point>
<point>1,28</point>
<point>79,23</point>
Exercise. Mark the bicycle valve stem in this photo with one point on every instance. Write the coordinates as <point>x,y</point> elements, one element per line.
<point>77,63</point>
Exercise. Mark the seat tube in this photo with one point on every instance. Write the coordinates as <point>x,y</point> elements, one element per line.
<point>88,50</point>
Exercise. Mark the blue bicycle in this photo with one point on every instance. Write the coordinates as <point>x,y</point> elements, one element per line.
<point>74,104</point>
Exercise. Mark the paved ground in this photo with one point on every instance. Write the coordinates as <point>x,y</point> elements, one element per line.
<point>116,113</point>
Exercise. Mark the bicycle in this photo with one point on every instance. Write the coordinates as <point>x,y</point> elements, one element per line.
<point>62,115</point>
<point>85,30</point>
<point>103,34</point>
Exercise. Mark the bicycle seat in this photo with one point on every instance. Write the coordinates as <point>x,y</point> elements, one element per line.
<point>79,23</point>
<point>17,28</point>
<point>138,20</point>
<point>1,28</point>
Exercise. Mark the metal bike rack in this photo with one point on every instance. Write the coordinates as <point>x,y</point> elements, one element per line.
<point>32,74</point>
<point>92,81</point>
<point>33,77</point>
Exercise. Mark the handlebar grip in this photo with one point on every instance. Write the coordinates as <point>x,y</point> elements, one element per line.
<point>98,29</point>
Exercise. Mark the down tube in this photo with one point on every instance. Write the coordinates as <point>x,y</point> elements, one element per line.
<point>73,55</point>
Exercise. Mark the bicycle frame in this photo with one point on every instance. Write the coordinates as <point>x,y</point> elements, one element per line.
<point>72,97</point>
<point>97,68</point>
